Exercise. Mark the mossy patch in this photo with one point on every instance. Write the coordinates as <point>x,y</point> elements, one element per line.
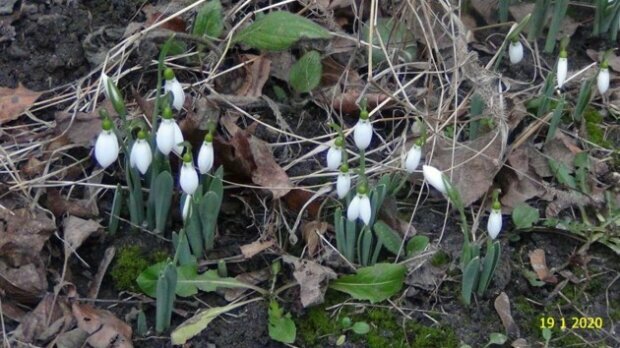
<point>129,263</point>
<point>595,132</point>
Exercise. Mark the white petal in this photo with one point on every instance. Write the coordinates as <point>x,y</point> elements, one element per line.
<point>413,158</point>
<point>515,52</point>
<point>178,138</point>
<point>334,158</point>
<point>205,157</point>
<point>494,225</point>
<point>343,185</point>
<point>362,134</point>
<point>188,178</point>
<point>106,148</point>
<point>141,155</point>
<point>434,178</point>
<point>178,96</point>
<point>353,211</point>
<point>365,209</point>
<point>602,80</point>
<point>186,205</point>
<point>165,136</point>
<point>562,71</point>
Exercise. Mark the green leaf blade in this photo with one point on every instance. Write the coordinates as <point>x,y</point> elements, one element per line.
<point>375,283</point>
<point>305,74</point>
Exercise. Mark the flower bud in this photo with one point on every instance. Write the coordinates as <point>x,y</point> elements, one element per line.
<point>141,155</point>
<point>353,211</point>
<point>165,136</point>
<point>106,146</point>
<point>434,177</point>
<point>602,80</point>
<point>494,225</point>
<point>413,158</point>
<point>173,86</point>
<point>205,155</point>
<point>515,52</point>
<point>343,183</point>
<point>188,177</point>
<point>362,134</point>
<point>562,69</point>
<point>334,157</point>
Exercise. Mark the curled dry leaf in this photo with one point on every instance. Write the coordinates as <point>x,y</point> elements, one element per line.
<point>502,306</point>
<point>539,265</point>
<point>14,101</point>
<point>60,206</point>
<point>81,128</point>
<point>257,69</point>
<point>312,279</point>
<point>77,230</point>
<point>49,312</point>
<point>254,248</point>
<point>254,278</point>
<point>105,329</point>
<point>311,232</point>
<point>612,58</point>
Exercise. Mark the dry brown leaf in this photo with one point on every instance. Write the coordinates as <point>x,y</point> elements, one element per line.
<point>502,306</point>
<point>539,265</point>
<point>14,101</point>
<point>254,278</point>
<point>335,73</point>
<point>154,14</point>
<point>77,230</point>
<point>84,127</point>
<point>12,311</point>
<point>71,339</point>
<point>487,9</point>
<point>562,149</point>
<point>34,325</point>
<point>567,199</point>
<point>281,63</point>
<point>297,198</point>
<point>347,102</point>
<point>105,329</point>
<point>311,232</point>
<point>257,70</point>
<point>95,285</point>
<point>254,248</point>
<point>520,182</point>
<point>520,343</point>
<point>612,58</point>
<point>60,206</point>
<point>312,279</point>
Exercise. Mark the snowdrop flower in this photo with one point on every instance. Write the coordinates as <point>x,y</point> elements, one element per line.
<point>205,155</point>
<point>359,208</point>
<point>334,154</point>
<point>178,139</point>
<point>494,225</point>
<point>562,68</point>
<point>602,80</point>
<point>413,158</point>
<point>165,137</point>
<point>186,206</point>
<point>106,146</point>
<point>112,93</point>
<point>434,177</point>
<point>188,177</point>
<point>515,51</point>
<point>343,183</point>
<point>173,86</point>
<point>362,133</point>
<point>141,155</point>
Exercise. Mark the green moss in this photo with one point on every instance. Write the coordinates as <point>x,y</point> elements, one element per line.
<point>440,258</point>
<point>129,263</point>
<point>596,134</point>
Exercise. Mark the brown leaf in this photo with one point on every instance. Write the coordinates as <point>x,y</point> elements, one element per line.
<point>254,248</point>
<point>502,306</point>
<point>281,63</point>
<point>347,102</point>
<point>520,343</point>
<point>77,230</point>
<point>539,265</point>
<point>520,182</point>
<point>254,278</point>
<point>60,206</point>
<point>12,311</point>
<point>334,73</point>
<point>311,232</point>
<point>35,324</point>
<point>84,127</point>
<point>297,198</point>
<point>95,285</point>
<point>105,329</point>
<point>14,101</point>
<point>154,15</point>
<point>612,58</point>
<point>562,149</point>
<point>257,70</point>
<point>486,8</point>
<point>312,279</point>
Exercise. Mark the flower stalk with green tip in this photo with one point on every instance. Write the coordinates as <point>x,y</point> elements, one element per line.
<point>141,155</point>
<point>106,146</point>
<point>188,177</point>
<point>494,225</point>
<point>173,86</point>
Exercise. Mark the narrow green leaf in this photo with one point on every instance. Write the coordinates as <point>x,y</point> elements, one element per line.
<point>162,198</point>
<point>503,10</point>
<point>147,280</point>
<point>209,210</point>
<point>165,295</point>
<point>375,283</point>
<point>524,216</point>
<point>281,327</point>
<point>555,119</point>
<point>193,229</point>
<point>365,246</point>
<point>491,258</point>
<point>538,19</point>
<point>209,20</point>
<point>340,236</point>
<point>305,74</point>
<point>416,245</point>
<point>351,238</point>
<point>583,99</point>
<point>497,338</point>
<point>558,15</point>
<point>182,250</point>
<point>279,30</point>
<point>117,204</point>
<point>470,279</point>
<point>581,172</point>
<point>390,238</point>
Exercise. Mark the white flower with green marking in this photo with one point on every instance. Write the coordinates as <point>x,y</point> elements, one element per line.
<point>106,146</point>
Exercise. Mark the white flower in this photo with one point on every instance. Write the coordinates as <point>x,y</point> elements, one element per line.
<point>494,225</point>
<point>178,139</point>
<point>515,52</point>
<point>141,156</point>
<point>562,71</point>
<point>362,134</point>
<point>343,184</point>
<point>434,177</point>
<point>104,84</point>
<point>205,157</point>
<point>602,80</point>
<point>186,206</point>
<point>165,136</point>
<point>188,177</point>
<point>106,148</point>
<point>413,158</point>
<point>359,208</point>
<point>173,86</point>
<point>334,158</point>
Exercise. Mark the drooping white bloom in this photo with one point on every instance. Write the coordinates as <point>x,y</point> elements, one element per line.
<point>515,52</point>
<point>165,136</point>
<point>562,70</point>
<point>413,158</point>
<point>362,134</point>
<point>106,148</point>
<point>173,86</point>
<point>494,225</point>
<point>178,139</point>
<point>334,157</point>
<point>365,209</point>
<point>141,156</point>
<point>353,211</point>
<point>602,80</point>
<point>343,184</point>
<point>188,178</point>
<point>205,157</point>
<point>434,177</point>
<point>186,206</point>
